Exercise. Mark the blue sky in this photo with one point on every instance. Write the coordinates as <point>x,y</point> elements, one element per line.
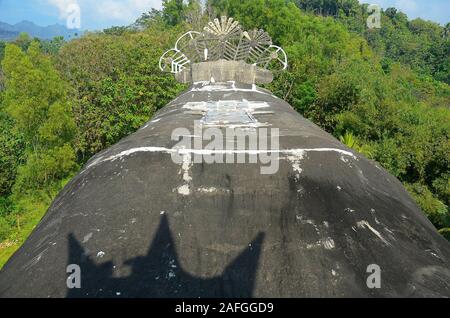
<point>99,14</point>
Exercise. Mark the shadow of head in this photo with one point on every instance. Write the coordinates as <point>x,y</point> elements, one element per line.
<point>158,274</point>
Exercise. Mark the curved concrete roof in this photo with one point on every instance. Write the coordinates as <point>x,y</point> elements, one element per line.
<point>141,225</point>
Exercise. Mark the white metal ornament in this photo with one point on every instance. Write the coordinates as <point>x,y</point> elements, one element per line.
<point>224,39</point>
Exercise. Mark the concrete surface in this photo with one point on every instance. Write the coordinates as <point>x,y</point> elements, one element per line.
<point>140,225</point>
<point>224,71</point>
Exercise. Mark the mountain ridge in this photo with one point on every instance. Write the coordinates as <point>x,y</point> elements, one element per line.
<point>9,32</point>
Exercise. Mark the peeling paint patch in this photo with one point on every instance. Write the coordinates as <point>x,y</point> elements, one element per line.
<point>226,87</point>
<point>227,113</point>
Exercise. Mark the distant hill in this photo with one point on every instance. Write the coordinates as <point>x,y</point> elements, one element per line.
<point>10,32</point>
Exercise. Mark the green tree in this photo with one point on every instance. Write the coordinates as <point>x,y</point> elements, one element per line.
<point>11,153</point>
<point>117,84</point>
<point>2,50</point>
<point>173,11</point>
<point>36,99</point>
<point>53,46</point>
<point>23,41</point>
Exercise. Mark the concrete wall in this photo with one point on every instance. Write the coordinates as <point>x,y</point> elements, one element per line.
<point>224,71</point>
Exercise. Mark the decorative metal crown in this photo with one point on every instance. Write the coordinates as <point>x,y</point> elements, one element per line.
<point>226,40</point>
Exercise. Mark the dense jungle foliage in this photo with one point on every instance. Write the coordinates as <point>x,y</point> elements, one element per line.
<point>384,92</point>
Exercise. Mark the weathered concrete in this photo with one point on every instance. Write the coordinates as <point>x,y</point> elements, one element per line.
<point>140,225</point>
<point>224,71</point>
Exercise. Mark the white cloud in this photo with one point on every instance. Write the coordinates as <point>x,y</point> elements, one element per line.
<point>63,6</point>
<point>118,10</point>
<point>124,10</point>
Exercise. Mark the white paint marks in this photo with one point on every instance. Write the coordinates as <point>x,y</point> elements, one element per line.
<point>343,159</point>
<point>433,253</point>
<point>295,160</point>
<point>372,211</point>
<point>364,224</point>
<point>187,164</point>
<point>226,87</point>
<point>101,254</point>
<point>207,190</point>
<point>151,122</point>
<point>210,152</point>
<point>326,243</point>
<point>185,189</point>
<point>196,106</point>
<point>87,237</point>
<point>171,274</point>
<point>304,221</point>
<point>339,188</point>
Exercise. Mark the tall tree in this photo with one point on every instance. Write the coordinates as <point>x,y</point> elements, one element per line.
<point>173,11</point>
<point>36,98</point>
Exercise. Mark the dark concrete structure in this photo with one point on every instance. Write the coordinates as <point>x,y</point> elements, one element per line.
<point>141,225</point>
<point>224,71</point>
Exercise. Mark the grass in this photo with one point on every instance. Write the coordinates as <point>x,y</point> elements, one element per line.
<point>32,212</point>
<point>31,208</point>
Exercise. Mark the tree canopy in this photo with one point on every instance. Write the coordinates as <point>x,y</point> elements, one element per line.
<point>384,92</point>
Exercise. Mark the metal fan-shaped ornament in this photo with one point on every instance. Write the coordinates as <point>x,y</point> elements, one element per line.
<point>224,39</point>
<point>274,59</point>
<point>225,27</point>
<point>192,45</point>
<point>253,45</point>
<point>173,61</point>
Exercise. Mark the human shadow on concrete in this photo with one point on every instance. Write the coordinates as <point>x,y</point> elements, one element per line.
<point>159,274</point>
